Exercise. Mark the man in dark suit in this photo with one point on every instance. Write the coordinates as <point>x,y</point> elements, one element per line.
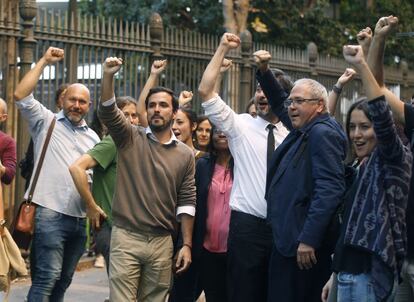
<point>305,184</point>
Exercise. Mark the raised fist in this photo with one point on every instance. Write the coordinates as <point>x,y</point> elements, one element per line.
<point>158,66</point>
<point>185,97</point>
<point>112,65</point>
<point>262,58</point>
<point>225,65</point>
<point>364,37</point>
<point>353,54</point>
<point>386,25</point>
<point>346,77</point>
<point>53,55</point>
<point>230,40</point>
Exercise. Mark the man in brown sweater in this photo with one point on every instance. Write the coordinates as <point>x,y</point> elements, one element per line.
<point>154,187</point>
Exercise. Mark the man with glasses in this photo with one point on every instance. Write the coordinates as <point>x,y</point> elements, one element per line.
<point>305,184</point>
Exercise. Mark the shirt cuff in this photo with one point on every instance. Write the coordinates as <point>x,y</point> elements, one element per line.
<point>189,210</point>
<point>109,102</point>
<point>26,99</point>
<point>211,101</point>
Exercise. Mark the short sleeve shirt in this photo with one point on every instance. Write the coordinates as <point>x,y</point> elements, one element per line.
<point>104,174</point>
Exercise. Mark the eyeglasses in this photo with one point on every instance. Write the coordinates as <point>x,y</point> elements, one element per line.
<point>299,102</point>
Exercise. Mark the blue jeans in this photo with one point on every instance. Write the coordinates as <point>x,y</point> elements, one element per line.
<point>357,288</point>
<point>58,243</point>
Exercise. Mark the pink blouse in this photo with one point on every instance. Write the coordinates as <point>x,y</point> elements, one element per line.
<point>218,209</point>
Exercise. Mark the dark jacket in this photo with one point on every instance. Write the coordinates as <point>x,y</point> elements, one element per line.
<point>305,180</point>
<point>203,175</point>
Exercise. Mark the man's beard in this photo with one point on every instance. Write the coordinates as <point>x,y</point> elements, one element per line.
<point>160,127</point>
<point>75,120</point>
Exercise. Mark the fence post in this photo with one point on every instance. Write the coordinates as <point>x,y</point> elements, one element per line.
<point>72,60</point>
<point>156,31</point>
<point>312,57</point>
<point>246,69</point>
<point>28,10</point>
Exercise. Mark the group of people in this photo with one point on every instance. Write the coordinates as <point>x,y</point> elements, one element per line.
<point>276,204</point>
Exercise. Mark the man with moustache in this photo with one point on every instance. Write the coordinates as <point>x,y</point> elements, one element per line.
<point>251,142</point>
<point>154,187</point>
<point>60,224</point>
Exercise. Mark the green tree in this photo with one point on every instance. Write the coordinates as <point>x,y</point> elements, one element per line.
<point>291,23</point>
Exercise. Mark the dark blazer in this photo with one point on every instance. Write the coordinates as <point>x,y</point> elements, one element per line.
<point>305,180</point>
<point>203,175</point>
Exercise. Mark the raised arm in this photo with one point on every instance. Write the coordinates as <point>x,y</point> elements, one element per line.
<point>274,92</point>
<point>210,75</point>
<point>110,67</point>
<point>384,27</point>
<point>78,171</point>
<point>333,96</point>
<point>364,38</point>
<point>354,55</point>
<point>26,86</point>
<point>157,68</point>
<point>118,126</point>
<point>390,145</point>
<point>223,69</point>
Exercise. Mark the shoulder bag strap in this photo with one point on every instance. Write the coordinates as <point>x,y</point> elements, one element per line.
<point>42,157</point>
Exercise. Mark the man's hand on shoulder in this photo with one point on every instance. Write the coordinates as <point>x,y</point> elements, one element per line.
<point>158,66</point>
<point>183,260</point>
<point>305,257</point>
<point>53,55</point>
<point>262,58</point>
<point>112,65</point>
<point>230,41</point>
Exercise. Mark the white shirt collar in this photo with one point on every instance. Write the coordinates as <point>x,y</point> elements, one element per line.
<point>152,136</point>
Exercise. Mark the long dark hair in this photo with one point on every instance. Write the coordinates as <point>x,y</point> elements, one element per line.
<point>362,105</point>
<point>213,156</point>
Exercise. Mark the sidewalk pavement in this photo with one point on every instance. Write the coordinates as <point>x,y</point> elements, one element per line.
<point>89,285</point>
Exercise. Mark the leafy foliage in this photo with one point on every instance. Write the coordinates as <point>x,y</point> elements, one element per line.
<point>292,23</point>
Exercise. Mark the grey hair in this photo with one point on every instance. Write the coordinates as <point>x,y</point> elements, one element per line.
<point>316,89</point>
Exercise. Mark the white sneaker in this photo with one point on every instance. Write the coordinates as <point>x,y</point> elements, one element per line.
<point>99,261</point>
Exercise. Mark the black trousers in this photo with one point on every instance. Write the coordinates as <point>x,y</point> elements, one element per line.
<point>213,273</point>
<point>288,283</point>
<point>249,249</point>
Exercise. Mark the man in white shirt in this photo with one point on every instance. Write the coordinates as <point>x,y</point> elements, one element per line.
<point>251,144</point>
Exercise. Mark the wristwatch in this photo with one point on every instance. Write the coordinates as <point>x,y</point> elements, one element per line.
<point>336,89</point>
<point>2,222</point>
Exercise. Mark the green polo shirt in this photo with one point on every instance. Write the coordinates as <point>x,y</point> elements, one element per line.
<point>104,174</point>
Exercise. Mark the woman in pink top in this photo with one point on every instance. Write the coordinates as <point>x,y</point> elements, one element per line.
<point>214,179</point>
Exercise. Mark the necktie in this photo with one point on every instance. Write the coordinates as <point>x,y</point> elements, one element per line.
<point>270,143</point>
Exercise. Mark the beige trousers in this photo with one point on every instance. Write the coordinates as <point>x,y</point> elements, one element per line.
<point>140,266</point>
